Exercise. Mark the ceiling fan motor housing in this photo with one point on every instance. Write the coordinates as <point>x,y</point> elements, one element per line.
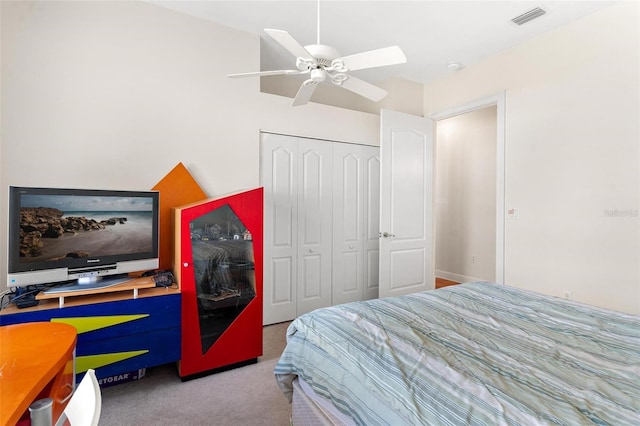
<point>322,54</point>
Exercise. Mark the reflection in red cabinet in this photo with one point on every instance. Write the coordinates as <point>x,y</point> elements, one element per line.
<point>218,264</point>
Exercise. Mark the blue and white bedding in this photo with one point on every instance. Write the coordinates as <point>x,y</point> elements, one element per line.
<point>472,354</point>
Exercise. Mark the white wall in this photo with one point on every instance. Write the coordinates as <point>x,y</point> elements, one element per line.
<point>115,94</point>
<point>572,155</point>
<point>465,196</point>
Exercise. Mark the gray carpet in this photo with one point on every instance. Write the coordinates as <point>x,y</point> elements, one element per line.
<point>243,396</point>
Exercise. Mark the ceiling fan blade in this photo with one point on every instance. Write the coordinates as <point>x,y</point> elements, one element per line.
<point>265,73</point>
<point>374,58</point>
<point>289,43</point>
<point>363,88</point>
<point>305,92</point>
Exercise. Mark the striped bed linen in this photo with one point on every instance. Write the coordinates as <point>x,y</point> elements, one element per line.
<point>472,354</point>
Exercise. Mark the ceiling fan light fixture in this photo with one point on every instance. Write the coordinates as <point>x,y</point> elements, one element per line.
<point>337,65</point>
<point>303,64</point>
<point>339,78</point>
<point>318,75</point>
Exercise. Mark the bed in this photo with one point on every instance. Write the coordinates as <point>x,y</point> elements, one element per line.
<point>471,354</point>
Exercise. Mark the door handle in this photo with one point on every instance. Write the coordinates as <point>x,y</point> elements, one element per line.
<point>386,235</point>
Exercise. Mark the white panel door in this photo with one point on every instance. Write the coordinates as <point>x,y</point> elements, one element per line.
<point>371,215</point>
<point>406,211</point>
<point>314,225</point>
<point>279,178</point>
<point>348,223</point>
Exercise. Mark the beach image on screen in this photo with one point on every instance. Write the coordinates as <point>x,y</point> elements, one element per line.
<point>53,227</point>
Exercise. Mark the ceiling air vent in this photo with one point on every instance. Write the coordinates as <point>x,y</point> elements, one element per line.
<point>528,16</point>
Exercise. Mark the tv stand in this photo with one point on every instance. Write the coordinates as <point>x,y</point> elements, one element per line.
<point>118,336</point>
<point>108,285</point>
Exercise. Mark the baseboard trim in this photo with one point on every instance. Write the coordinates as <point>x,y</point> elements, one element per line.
<point>455,277</point>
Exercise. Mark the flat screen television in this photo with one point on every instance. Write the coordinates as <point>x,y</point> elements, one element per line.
<point>57,235</point>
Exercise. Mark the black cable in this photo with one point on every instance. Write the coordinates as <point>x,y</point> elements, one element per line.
<point>22,296</point>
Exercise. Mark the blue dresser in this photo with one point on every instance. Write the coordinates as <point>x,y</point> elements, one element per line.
<point>117,338</point>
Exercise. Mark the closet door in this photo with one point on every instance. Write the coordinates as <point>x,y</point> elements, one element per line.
<point>356,213</point>
<point>348,223</point>
<point>321,212</point>
<point>279,177</point>
<point>314,225</point>
<point>371,218</point>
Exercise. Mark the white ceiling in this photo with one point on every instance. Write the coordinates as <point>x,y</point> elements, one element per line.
<point>431,33</point>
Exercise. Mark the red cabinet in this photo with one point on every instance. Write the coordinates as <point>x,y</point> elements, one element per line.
<point>218,264</point>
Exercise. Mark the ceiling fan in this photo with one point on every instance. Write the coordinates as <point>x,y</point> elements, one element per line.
<point>322,62</point>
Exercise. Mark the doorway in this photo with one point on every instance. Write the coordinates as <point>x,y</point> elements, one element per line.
<point>469,207</point>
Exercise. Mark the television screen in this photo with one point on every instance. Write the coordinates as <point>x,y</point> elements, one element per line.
<point>61,234</point>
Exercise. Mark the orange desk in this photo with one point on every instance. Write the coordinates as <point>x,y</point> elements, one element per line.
<point>36,361</point>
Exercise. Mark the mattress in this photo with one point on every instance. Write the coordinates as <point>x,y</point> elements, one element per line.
<point>311,409</point>
<point>472,354</point>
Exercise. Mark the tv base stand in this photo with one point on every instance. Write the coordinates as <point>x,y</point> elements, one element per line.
<point>134,284</point>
